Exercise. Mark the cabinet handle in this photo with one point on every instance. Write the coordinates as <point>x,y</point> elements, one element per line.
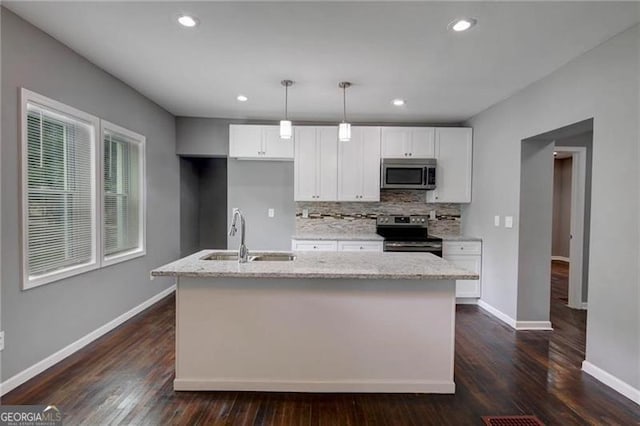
<point>315,247</point>
<point>410,154</point>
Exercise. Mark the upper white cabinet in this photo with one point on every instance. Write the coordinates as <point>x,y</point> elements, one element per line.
<point>316,164</point>
<point>453,151</point>
<point>359,165</point>
<point>408,142</point>
<point>258,142</point>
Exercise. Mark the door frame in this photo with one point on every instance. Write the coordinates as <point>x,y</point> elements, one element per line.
<point>576,241</point>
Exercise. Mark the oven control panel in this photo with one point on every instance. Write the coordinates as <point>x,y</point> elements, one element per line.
<point>403,220</point>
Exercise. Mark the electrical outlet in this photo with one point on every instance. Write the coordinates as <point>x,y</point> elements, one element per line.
<point>496,220</point>
<point>305,213</point>
<point>432,214</point>
<point>1,340</point>
<point>272,212</point>
<point>508,221</point>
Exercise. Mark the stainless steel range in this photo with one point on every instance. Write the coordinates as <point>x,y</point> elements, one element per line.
<point>407,233</point>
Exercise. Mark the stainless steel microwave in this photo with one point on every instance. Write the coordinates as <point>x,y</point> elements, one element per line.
<point>408,174</point>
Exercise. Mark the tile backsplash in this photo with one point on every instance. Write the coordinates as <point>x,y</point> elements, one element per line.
<point>360,217</point>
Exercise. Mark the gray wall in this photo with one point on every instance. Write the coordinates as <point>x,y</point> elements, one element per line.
<point>561,230</point>
<point>43,320</point>
<point>603,84</point>
<point>536,206</point>
<point>189,207</point>
<point>254,187</point>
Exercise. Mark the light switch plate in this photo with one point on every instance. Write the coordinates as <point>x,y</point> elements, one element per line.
<point>305,213</point>
<point>1,340</point>
<point>508,221</point>
<point>272,212</point>
<point>496,220</point>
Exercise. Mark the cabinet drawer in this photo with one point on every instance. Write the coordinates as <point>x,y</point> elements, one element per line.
<point>360,246</point>
<point>314,245</point>
<point>461,247</point>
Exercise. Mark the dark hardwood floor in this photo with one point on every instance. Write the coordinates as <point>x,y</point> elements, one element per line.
<point>126,377</point>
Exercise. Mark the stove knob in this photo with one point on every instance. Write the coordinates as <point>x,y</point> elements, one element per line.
<point>422,220</point>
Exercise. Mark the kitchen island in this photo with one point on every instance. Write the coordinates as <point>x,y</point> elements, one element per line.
<point>315,322</point>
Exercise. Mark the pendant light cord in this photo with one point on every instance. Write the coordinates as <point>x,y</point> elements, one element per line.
<point>286,100</point>
<point>344,104</point>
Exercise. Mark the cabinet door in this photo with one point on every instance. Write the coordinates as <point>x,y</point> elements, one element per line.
<point>467,288</point>
<point>245,141</point>
<point>275,147</point>
<point>396,142</point>
<point>370,163</point>
<point>363,246</point>
<point>312,245</point>
<point>454,154</point>
<point>327,155</point>
<point>423,142</point>
<point>350,167</point>
<point>305,165</point>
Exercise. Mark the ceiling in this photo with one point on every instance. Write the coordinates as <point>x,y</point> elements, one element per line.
<point>387,50</point>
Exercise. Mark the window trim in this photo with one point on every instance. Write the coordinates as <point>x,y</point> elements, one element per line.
<point>29,97</point>
<point>141,141</point>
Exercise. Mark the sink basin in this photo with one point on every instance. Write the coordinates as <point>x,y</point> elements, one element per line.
<point>273,257</point>
<point>266,257</point>
<point>221,256</point>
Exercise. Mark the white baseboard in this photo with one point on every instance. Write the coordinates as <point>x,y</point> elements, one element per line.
<point>561,259</point>
<point>378,386</point>
<point>585,305</point>
<point>517,325</point>
<point>612,381</point>
<point>534,325</point>
<point>29,373</point>
<point>466,300</point>
<point>497,313</point>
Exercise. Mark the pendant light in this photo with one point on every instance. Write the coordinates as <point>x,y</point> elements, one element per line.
<point>344,129</point>
<point>286,130</point>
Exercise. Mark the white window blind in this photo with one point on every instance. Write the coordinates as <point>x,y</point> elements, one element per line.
<point>123,220</point>
<point>60,192</point>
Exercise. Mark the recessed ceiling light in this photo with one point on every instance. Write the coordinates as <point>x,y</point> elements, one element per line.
<point>398,102</point>
<point>462,24</point>
<point>242,98</point>
<point>188,21</point>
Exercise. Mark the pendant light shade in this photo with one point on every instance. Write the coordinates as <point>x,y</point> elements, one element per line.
<point>286,129</point>
<point>344,129</point>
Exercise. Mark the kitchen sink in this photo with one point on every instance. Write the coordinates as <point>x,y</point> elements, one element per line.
<point>266,257</point>
<point>272,257</point>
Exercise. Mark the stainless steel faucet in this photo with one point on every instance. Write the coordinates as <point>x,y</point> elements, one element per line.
<point>243,252</point>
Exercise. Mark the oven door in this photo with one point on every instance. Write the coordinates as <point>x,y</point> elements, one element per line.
<point>434,247</point>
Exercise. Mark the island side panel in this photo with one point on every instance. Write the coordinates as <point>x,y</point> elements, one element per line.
<point>315,335</point>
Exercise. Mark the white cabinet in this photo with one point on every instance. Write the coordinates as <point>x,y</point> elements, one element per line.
<point>257,142</point>
<point>407,142</point>
<point>453,151</point>
<point>362,246</point>
<point>316,164</point>
<point>314,245</point>
<point>359,165</point>
<point>467,255</point>
<point>336,245</point>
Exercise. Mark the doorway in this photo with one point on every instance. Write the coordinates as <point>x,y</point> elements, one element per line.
<point>569,186</point>
<point>536,222</point>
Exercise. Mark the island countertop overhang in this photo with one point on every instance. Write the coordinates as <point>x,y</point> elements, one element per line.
<point>320,265</point>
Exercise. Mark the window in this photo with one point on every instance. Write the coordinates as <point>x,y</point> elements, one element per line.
<point>123,214</point>
<point>59,190</point>
<point>70,184</point>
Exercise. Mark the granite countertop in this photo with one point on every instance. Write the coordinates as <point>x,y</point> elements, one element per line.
<point>458,238</point>
<point>370,265</point>
<point>339,237</point>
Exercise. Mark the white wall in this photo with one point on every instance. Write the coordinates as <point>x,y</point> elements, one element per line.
<point>603,84</point>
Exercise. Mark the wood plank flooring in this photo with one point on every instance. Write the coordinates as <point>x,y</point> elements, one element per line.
<point>126,378</point>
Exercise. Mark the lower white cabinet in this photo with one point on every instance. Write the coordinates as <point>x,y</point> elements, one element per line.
<point>467,255</point>
<point>360,246</point>
<point>336,245</point>
<point>314,245</point>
